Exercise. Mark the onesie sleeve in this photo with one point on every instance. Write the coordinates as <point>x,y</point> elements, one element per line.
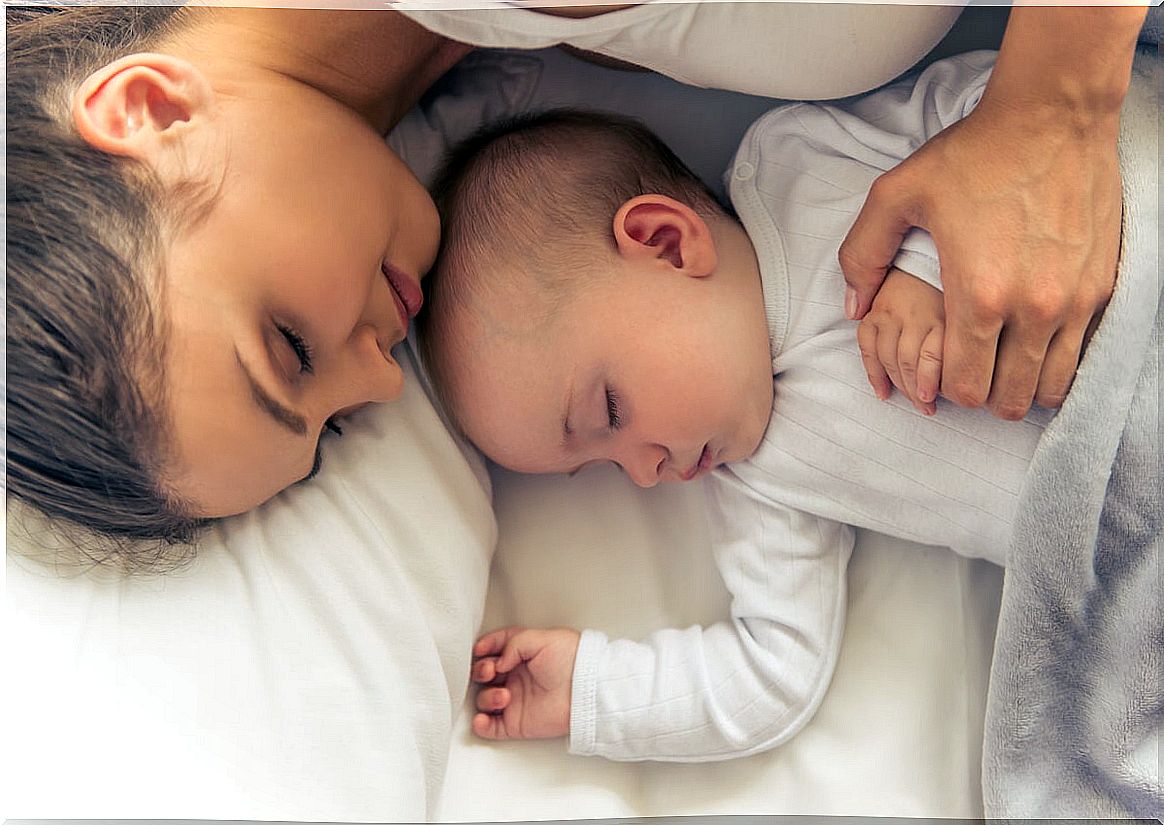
<point>739,686</point>
<point>824,158</point>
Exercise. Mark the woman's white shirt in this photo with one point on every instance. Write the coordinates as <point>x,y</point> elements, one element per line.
<point>796,51</point>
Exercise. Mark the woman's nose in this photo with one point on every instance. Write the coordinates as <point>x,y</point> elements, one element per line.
<point>376,377</point>
<point>645,464</point>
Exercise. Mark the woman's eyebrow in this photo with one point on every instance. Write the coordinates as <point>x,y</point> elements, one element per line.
<point>282,415</point>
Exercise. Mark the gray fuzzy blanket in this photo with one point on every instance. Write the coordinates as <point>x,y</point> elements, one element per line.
<point>1076,705</point>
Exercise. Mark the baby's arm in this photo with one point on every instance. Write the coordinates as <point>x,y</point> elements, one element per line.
<point>901,340</point>
<point>737,687</point>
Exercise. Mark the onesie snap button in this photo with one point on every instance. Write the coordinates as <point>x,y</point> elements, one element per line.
<point>744,170</point>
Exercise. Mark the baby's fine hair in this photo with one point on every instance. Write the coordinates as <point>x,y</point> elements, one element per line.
<point>537,195</point>
<point>85,342</point>
<point>542,189</point>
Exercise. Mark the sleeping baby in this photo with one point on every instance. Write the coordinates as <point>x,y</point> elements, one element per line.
<point>593,302</point>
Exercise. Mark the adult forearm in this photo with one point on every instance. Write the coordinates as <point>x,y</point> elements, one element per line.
<point>1074,59</point>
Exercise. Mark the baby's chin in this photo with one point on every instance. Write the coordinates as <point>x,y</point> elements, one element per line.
<point>753,427</point>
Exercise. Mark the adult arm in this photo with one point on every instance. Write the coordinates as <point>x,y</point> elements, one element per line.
<point>1022,198</point>
<point>738,686</point>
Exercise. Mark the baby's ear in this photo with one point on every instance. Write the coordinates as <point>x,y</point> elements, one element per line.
<point>141,106</point>
<point>660,229</point>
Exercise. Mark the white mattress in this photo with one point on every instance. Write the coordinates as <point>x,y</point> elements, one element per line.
<point>899,732</point>
<point>313,664</point>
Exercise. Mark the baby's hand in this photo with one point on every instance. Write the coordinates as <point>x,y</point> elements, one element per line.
<point>901,340</point>
<point>526,677</point>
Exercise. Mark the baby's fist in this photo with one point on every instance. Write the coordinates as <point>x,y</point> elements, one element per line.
<point>526,677</point>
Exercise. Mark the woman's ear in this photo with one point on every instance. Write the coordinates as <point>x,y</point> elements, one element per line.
<point>142,106</point>
<point>661,228</point>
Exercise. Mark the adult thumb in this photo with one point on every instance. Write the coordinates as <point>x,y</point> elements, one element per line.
<point>868,250</point>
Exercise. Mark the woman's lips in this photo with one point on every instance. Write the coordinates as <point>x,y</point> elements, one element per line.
<point>407,292</point>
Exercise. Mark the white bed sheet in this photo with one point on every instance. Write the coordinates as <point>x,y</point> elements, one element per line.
<point>899,732</point>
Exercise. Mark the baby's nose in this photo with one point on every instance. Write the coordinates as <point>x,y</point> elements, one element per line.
<point>646,468</point>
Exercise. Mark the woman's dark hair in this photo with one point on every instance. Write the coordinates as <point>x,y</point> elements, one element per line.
<point>86,434</point>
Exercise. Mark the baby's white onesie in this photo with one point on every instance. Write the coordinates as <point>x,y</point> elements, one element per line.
<point>832,457</point>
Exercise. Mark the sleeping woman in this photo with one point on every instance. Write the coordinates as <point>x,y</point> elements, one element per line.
<point>212,252</point>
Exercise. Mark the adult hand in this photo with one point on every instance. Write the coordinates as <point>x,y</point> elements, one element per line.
<point>1023,200</point>
<point>1024,209</point>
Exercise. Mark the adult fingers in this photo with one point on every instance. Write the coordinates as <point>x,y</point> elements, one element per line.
<point>872,243</point>
<point>969,351</point>
<point>867,342</point>
<point>1021,350</point>
<point>1062,360</point>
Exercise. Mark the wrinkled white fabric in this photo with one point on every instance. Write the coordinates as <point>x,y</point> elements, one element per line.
<point>795,51</point>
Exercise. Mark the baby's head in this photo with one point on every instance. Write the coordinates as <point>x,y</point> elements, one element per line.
<point>593,302</point>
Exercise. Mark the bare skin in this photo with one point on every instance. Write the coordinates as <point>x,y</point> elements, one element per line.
<point>526,683</point>
<point>285,299</point>
<point>901,340</point>
<point>1029,243</point>
<point>378,63</point>
<point>1036,172</point>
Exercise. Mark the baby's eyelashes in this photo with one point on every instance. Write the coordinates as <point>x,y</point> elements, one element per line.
<point>613,410</point>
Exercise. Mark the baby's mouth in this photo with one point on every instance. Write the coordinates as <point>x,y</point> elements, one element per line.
<point>699,466</point>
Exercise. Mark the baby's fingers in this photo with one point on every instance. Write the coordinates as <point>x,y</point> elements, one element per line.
<point>485,670</point>
<point>491,644</point>
<point>867,334</point>
<point>915,354</point>
<point>493,699</point>
<point>929,369</point>
<point>490,726</point>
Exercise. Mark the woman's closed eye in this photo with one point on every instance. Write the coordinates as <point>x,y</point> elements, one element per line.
<point>299,347</point>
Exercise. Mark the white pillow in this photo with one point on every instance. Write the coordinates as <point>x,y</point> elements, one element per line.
<point>307,666</point>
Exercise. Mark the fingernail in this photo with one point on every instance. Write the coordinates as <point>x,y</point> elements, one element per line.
<point>850,303</point>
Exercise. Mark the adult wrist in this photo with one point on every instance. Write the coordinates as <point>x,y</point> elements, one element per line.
<point>1073,60</point>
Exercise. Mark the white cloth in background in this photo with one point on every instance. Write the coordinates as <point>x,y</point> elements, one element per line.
<point>796,51</point>
<point>833,456</point>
